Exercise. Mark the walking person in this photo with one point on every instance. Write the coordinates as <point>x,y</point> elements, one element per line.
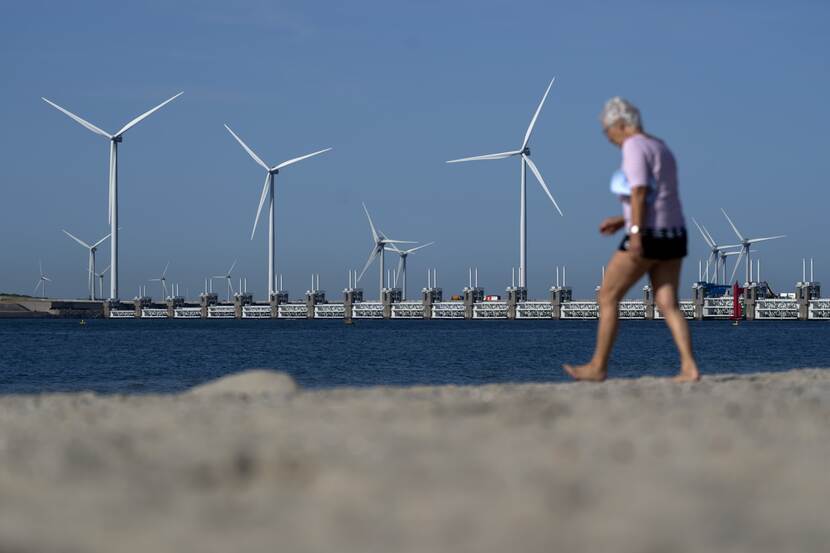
<point>654,241</point>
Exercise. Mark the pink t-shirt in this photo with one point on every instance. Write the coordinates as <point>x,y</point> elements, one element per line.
<point>645,159</point>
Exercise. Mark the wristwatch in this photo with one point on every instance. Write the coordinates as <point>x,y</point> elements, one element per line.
<point>634,229</point>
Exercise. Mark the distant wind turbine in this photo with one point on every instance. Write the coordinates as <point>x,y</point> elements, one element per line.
<point>524,155</point>
<point>41,282</point>
<point>101,280</point>
<point>380,242</point>
<point>91,265</point>
<point>746,243</point>
<point>717,253</point>
<point>112,208</point>
<point>401,270</point>
<point>227,277</point>
<point>268,192</point>
<point>163,280</point>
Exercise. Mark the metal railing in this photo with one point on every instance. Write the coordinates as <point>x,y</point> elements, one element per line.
<point>718,308</point>
<point>122,313</point>
<point>329,311</point>
<point>631,309</point>
<point>686,307</point>
<point>188,313</point>
<point>367,310</point>
<point>292,311</point>
<point>579,310</point>
<point>819,309</point>
<point>256,311</point>
<point>153,313</point>
<point>408,310</point>
<point>221,312</point>
<point>777,309</point>
<point>490,310</point>
<point>448,310</point>
<point>534,310</point>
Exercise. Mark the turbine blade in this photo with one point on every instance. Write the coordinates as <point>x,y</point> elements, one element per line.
<point>711,239</point>
<point>78,240</point>
<point>536,115</point>
<point>164,272</point>
<point>153,280</point>
<point>398,270</point>
<point>752,241</point>
<point>375,236</point>
<point>296,159</point>
<point>146,114</point>
<point>247,149</point>
<point>261,203</point>
<point>83,122</point>
<point>541,181</point>
<point>737,264</point>
<point>705,237</point>
<point>230,271</point>
<point>47,279</point>
<point>419,247</point>
<point>101,241</point>
<point>737,232</point>
<point>500,155</point>
<point>387,241</point>
<point>372,256</point>
<point>104,271</point>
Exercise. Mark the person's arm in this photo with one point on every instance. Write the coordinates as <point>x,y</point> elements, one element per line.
<point>638,216</point>
<point>611,225</point>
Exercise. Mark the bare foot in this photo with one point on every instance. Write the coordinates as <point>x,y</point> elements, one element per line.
<point>587,372</point>
<point>688,373</point>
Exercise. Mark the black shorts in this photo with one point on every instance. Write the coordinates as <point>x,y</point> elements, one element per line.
<point>661,244</point>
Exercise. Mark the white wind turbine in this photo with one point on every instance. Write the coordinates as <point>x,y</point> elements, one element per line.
<point>100,280</point>
<point>401,271</point>
<point>717,253</point>
<point>112,208</point>
<point>42,280</point>
<point>91,264</point>
<point>746,243</point>
<point>379,247</point>
<point>163,280</point>
<point>268,192</point>
<point>227,277</point>
<point>524,157</point>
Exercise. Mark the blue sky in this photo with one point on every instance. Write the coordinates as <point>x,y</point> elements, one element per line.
<point>737,89</point>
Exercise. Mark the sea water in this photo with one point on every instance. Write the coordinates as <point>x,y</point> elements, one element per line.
<point>150,356</point>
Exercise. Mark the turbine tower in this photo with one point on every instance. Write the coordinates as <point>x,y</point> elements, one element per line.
<point>717,253</point>
<point>268,192</point>
<point>91,264</point>
<point>379,247</point>
<point>112,207</point>
<point>524,157</point>
<point>101,280</point>
<point>746,243</point>
<point>401,271</point>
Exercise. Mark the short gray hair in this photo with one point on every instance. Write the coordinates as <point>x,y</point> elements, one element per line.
<point>619,109</point>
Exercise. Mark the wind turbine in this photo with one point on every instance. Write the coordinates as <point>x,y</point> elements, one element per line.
<point>100,280</point>
<point>228,278</point>
<point>163,280</point>
<point>42,280</point>
<point>379,247</point>
<point>91,265</point>
<point>268,192</point>
<point>524,157</point>
<point>112,208</point>
<point>401,271</point>
<point>717,253</point>
<point>745,245</point>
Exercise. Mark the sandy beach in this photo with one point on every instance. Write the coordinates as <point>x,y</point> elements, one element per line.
<point>250,463</point>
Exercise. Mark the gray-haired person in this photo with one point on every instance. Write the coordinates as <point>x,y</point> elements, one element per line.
<point>654,241</point>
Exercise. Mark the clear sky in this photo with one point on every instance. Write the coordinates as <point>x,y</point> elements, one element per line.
<point>738,90</point>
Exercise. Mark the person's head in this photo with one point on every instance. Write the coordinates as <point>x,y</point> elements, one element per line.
<point>620,119</point>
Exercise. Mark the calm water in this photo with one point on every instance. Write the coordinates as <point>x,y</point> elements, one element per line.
<point>168,355</point>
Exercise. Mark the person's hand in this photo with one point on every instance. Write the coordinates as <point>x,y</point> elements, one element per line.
<point>611,225</point>
<point>635,245</point>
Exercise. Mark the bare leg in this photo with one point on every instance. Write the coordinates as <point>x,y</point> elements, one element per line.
<point>623,271</point>
<point>665,277</point>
